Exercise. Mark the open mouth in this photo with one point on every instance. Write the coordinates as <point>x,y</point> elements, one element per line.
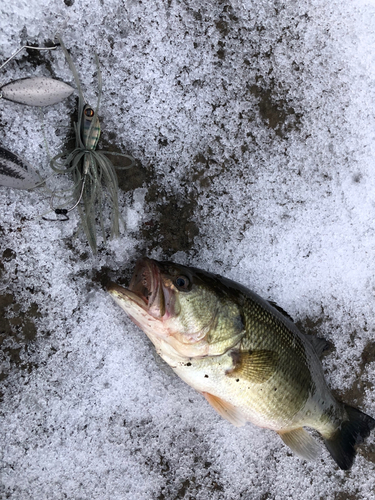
<point>145,280</point>
<point>145,287</point>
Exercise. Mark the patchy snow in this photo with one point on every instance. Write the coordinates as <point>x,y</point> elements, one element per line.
<point>253,123</point>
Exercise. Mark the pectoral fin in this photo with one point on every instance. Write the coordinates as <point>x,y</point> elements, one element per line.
<point>301,442</point>
<point>226,410</point>
<point>255,366</point>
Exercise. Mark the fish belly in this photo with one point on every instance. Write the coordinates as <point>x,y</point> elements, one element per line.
<point>276,404</point>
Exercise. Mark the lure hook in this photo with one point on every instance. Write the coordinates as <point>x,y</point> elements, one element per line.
<point>53,47</point>
<point>65,211</point>
<point>80,195</point>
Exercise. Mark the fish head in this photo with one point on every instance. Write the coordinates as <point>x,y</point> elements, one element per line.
<point>180,308</point>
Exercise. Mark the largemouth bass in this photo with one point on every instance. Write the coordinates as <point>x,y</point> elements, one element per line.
<point>246,357</point>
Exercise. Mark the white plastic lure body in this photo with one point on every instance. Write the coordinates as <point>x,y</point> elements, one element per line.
<point>37,91</point>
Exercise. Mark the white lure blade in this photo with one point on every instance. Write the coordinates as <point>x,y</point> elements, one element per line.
<point>16,173</point>
<point>38,91</point>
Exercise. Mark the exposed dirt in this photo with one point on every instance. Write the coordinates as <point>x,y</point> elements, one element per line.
<point>17,330</point>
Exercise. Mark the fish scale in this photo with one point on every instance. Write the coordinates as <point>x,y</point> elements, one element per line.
<point>269,407</point>
<point>292,381</point>
<point>245,356</point>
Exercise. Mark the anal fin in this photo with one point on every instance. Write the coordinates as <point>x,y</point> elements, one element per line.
<point>301,442</point>
<point>226,410</point>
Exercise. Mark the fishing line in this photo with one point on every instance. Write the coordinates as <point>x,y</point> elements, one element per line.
<point>26,47</point>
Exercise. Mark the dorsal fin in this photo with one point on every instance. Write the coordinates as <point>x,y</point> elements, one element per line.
<point>281,310</point>
<point>226,410</point>
<point>320,345</point>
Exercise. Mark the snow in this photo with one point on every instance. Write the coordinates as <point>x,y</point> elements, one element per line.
<point>257,119</point>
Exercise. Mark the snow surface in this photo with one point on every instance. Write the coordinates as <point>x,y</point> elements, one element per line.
<point>259,112</point>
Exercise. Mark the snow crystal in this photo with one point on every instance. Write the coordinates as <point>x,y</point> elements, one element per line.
<point>253,126</point>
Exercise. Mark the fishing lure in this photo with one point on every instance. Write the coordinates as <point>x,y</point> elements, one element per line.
<point>37,91</point>
<point>94,175</point>
<point>16,173</point>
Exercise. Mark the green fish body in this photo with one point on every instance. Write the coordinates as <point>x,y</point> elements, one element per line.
<point>247,358</point>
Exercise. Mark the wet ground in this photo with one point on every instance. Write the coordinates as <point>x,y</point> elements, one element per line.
<point>173,220</point>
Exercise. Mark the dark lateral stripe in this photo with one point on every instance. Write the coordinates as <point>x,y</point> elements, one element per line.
<point>10,157</point>
<point>9,171</point>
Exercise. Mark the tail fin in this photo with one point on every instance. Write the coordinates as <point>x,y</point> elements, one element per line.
<point>351,432</point>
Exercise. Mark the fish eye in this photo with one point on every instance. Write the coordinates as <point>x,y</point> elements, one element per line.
<point>89,112</point>
<point>182,282</point>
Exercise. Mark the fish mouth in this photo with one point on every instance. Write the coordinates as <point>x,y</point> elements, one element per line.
<point>145,288</point>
